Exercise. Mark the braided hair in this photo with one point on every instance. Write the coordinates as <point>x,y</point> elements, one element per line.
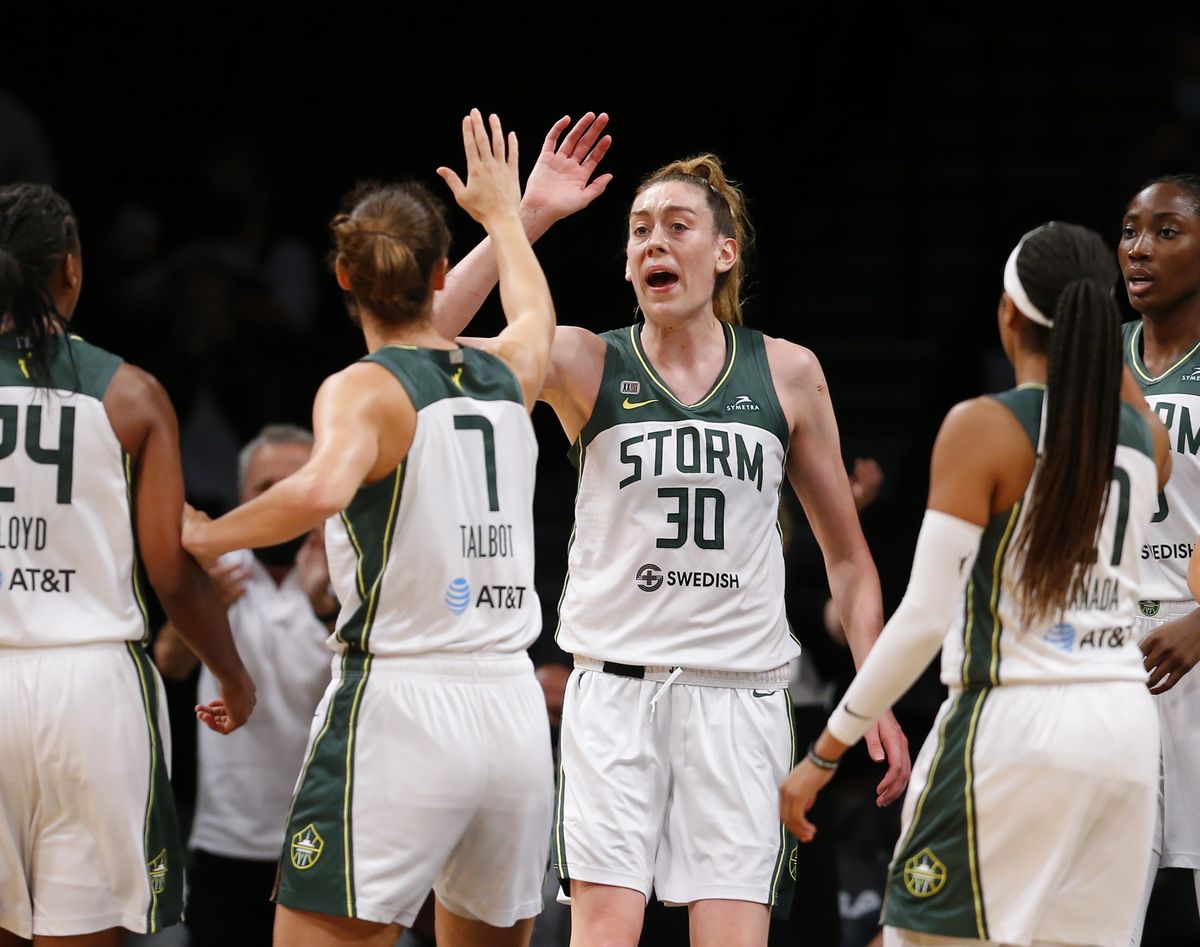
<point>1068,273</point>
<point>37,230</point>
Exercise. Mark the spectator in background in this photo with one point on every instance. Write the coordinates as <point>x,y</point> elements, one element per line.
<point>280,609</point>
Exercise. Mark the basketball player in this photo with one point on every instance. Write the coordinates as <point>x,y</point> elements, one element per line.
<point>676,723</point>
<point>1159,255</point>
<point>91,492</point>
<point>1030,812</point>
<point>429,759</point>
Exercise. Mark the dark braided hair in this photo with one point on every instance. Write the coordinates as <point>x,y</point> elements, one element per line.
<point>1068,273</point>
<point>388,239</point>
<point>37,229</point>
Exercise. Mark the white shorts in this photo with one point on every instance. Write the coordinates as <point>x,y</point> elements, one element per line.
<point>1177,830</point>
<point>423,772</point>
<point>1029,815</point>
<point>685,801</point>
<point>88,837</point>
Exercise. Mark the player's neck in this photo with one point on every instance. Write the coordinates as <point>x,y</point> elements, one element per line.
<point>420,333</point>
<point>1168,337</point>
<point>1030,368</point>
<point>684,344</point>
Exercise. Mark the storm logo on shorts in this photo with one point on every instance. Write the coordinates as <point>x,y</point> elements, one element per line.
<point>1149,609</point>
<point>307,846</point>
<point>157,869</point>
<point>924,874</point>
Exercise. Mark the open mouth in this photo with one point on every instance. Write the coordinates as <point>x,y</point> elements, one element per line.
<point>1138,280</point>
<point>661,279</point>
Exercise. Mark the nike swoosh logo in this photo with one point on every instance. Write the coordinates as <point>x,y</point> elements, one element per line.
<point>762,693</point>
<point>846,707</point>
<point>630,405</point>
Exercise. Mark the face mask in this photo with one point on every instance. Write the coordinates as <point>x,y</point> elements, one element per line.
<point>281,554</point>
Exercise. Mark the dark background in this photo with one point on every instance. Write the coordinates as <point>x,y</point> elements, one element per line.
<point>890,167</point>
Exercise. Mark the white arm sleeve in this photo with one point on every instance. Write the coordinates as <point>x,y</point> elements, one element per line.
<point>946,551</point>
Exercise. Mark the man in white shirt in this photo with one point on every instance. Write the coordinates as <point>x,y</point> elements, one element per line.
<point>280,610</point>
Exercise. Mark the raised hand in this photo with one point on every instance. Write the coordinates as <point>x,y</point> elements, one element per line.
<point>561,181</point>
<point>493,188</point>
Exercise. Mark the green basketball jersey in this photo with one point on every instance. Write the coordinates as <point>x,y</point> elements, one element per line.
<point>1175,398</point>
<point>676,556</point>
<point>68,559</point>
<point>438,555</point>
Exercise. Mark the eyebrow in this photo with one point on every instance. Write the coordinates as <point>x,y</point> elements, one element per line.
<point>670,209</point>
<point>1133,215</point>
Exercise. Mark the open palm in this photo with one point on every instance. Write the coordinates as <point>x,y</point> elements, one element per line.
<point>561,181</point>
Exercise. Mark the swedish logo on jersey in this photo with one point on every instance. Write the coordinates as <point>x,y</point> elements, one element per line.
<point>156,868</point>
<point>458,596</point>
<point>307,846</point>
<point>924,874</point>
<point>1149,609</point>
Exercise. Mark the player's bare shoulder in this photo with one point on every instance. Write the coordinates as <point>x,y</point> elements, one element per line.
<point>797,375</point>
<point>574,376</point>
<point>135,401</point>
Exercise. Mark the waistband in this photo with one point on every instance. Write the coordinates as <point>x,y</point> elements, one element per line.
<point>1158,610</point>
<point>446,665</point>
<point>658,673</point>
<point>67,648</point>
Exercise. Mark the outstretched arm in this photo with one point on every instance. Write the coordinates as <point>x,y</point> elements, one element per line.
<point>975,442</point>
<point>491,195</point>
<point>352,408</point>
<point>562,182</point>
<point>145,424</point>
<point>818,476</point>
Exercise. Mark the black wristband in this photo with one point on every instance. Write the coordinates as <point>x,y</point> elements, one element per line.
<point>819,761</point>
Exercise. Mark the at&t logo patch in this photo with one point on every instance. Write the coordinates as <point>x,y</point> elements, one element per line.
<point>458,596</point>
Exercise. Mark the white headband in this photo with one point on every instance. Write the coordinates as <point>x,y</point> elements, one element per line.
<point>1016,292</point>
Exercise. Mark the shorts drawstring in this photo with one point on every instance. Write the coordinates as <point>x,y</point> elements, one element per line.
<point>675,672</point>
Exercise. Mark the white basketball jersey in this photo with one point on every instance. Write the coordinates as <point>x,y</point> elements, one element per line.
<point>676,556</point>
<point>1175,397</point>
<point>438,555</point>
<point>1094,638</point>
<point>68,564</point>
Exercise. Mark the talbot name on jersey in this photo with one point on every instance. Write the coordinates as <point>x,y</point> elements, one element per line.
<point>38,580</point>
<point>1167,551</point>
<point>485,541</point>
<point>1094,595</point>
<point>23,532</point>
<point>695,451</point>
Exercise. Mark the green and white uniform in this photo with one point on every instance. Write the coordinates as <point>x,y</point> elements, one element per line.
<point>1008,833</point>
<point>429,758</point>
<point>88,836</point>
<point>676,723</point>
<point>1175,397</point>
